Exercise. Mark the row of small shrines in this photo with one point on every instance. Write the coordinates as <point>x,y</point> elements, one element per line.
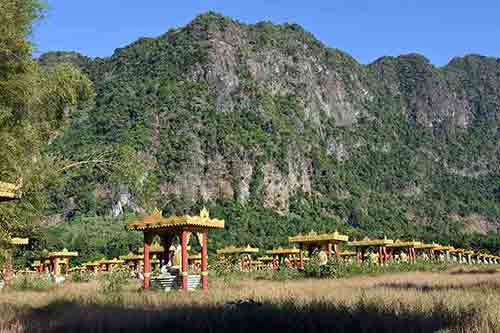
<point>324,246</point>
<point>180,229</point>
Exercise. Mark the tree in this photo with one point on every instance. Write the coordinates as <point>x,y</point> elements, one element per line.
<point>35,103</point>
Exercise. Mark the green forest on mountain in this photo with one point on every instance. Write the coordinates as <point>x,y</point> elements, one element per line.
<point>140,117</point>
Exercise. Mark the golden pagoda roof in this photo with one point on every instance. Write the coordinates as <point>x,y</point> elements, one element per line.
<point>457,251</point>
<point>347,254</point>
<point>400,243</point>
<point>19,241</point>
<point>131,256</point>
<point>443,248</point>
<point>370,242</point>
<point>236,250</point>
<point>112,261</point>
<point>280,250</point>
<point>63,253</point>
<point>155,220</point>
<point>424,246</point>
<point>9,191</point>
<point>314,237</point>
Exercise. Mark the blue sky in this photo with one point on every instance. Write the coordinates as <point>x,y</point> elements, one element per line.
<point>367,29</point>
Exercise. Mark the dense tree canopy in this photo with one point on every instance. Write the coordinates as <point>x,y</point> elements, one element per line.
<point>34,105</point>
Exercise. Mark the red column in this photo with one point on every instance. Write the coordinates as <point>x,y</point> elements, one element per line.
<point>147,260</point>
<point>204,261</point>
<point>336,247</point>
<point>301,256</point>
<point>8,267</point>
<point>66,268</point>
<point>56,266</point>
<point>184,259</point>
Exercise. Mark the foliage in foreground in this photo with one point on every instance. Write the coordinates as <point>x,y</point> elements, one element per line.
<point>31,282</point>
<point>424,302</point>
<point>113,282</point>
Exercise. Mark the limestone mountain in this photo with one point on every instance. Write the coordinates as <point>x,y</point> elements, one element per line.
<point>266,121</point>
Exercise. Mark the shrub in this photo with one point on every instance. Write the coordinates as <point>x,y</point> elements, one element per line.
<point>79,277</point>
<point>313,267</point>
<point>113,282</point>
<point>31,282</point>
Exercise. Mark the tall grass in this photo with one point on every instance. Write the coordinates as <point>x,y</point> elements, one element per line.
<point>458,301</point>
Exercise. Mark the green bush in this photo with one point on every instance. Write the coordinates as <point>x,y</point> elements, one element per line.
<point>113,282</point>
<point>79,277</point>
<point>313,268</point>
<point>31,282</point>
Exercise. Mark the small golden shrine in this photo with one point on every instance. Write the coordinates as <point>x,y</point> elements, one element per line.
<point>168,228</point>
<point>245,252</point>
<point>132,261</point>
<point>286,256</point>
<point>58,258</point>
<point>409,246</point>
<point>9,192</point>
<point>109,264</point>
<point>92,266</point>
<point>380,244</point>
<point>313,239</point>
<point>15,241</point>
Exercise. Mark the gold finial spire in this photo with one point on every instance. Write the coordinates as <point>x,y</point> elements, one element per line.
<point>204,213</point>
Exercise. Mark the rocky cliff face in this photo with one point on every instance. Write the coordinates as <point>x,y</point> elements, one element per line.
<point>265,112</point>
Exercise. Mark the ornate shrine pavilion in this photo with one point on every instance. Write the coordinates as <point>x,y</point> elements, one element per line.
<point>380,244</point>
<point>167,228</point>
<point>289,254</point>
<point>244,261</point>
<point>60,258</point>
<point>323,241</point>
<point>409,248</point>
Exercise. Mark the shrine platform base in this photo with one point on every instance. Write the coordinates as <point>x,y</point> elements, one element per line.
<point>172,280</point>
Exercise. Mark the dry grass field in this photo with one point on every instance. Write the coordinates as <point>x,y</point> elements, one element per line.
<point>454,301</point>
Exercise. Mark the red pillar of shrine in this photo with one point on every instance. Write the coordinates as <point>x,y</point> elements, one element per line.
<point>56,266</point>
<point>66,268</point>
<point>204,261</point>
<point>301,256</point>
<point>184,259</point>
<point>147,259</point>
<point>336,248</point>
<point>8,267</point>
